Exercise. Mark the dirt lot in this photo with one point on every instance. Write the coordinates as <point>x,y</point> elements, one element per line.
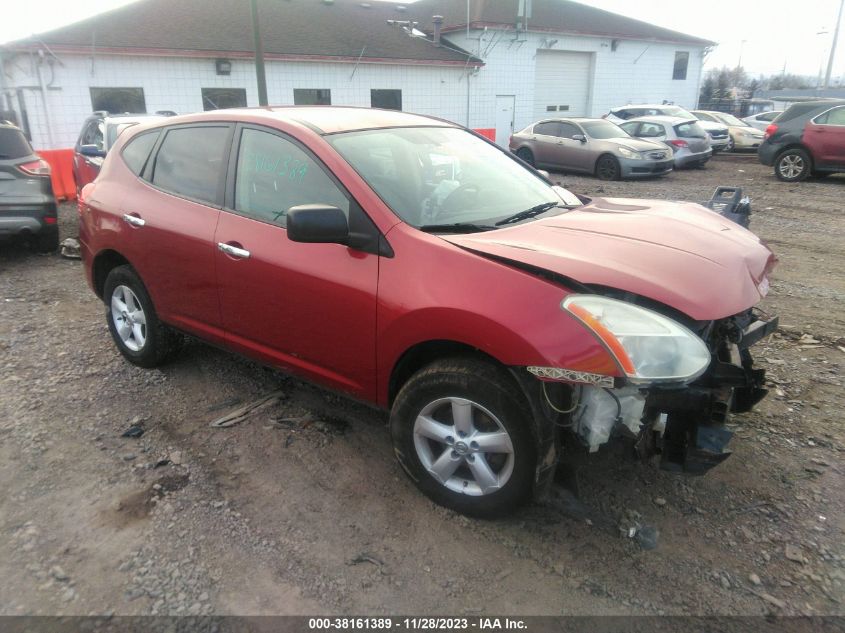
<point>316,517</point>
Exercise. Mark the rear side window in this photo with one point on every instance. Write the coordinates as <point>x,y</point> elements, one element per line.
<point>832,117</point>
<point>690,130</point>
<point>13,144</point>
<point>797,110</point>
<point>651,130</point>
<point>549,128</point>
<point>137,151</point>
<point>189,162</point>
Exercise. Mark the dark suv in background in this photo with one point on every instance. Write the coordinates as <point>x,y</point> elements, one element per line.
<point>807,139</point>
<point>27,203</point>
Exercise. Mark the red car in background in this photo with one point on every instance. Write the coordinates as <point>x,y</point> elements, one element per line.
<point>807,139</point>
<point>410,263</point>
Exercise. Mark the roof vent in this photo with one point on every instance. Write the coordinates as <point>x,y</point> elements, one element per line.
<point>438,25</point>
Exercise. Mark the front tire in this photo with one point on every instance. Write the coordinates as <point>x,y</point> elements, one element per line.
<point>731,146</point>
<point>793,165</point>
<point>461,432</point>
<point>139,335</point>
<point>607,168</point>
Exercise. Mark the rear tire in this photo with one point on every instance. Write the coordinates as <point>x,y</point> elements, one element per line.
<point>607,168</point>
<point>460,432</point>
<point>793,165</point>
<point>527,155</point>
<point>138,334</point>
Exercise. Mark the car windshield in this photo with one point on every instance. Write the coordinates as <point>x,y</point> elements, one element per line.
<point>603,129</point>
<point>730,119</point>
<point>436,176</point>
<point>676,111</point>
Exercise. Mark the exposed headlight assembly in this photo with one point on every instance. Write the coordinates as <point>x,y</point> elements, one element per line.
<point>629,153</point>
<point>647,346</point>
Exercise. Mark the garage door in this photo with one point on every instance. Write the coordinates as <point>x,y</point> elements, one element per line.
<point>561,84</point>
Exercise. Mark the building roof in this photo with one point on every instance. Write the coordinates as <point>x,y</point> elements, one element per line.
<point>328,30</point>
<point>559,16</point>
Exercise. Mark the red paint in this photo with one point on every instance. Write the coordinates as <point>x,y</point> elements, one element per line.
<point>344,318</point>
<point>825,142</point>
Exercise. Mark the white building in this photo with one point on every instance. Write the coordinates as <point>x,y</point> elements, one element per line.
<point>497,64</point>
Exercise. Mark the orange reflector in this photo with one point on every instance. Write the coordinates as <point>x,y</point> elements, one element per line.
<point>605,336</point>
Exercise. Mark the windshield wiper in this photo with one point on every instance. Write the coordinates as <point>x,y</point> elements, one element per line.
<point>529,213</point>
<point>456,227</point>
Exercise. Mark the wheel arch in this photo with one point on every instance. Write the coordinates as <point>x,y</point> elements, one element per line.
<point>424,353</point>
<point>104,262</point>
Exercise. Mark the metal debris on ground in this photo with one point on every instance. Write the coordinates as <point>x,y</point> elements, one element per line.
<point>70,248</point>
<point>133,431</point>
<point>366,558</point>
<point>239,415</point>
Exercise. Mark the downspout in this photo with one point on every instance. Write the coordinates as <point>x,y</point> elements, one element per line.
<point>43,87</point>
<point>6,102</point>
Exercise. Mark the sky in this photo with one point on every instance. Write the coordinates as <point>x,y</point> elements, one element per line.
<point>764,34</point>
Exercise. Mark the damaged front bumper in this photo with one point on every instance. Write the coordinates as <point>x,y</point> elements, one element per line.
<point>684,424</point>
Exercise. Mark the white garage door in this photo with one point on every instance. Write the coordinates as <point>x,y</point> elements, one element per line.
<point>561,84</point>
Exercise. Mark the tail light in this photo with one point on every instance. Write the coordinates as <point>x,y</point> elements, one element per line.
<point>678,143</point>
<point>770,131</point>
<point>38,167</point>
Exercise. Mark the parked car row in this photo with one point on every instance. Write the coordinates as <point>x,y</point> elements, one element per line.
<point>718,132</point>
<point>642,147</point>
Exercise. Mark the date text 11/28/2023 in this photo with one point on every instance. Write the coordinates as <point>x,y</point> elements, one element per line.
<point>416,624</point>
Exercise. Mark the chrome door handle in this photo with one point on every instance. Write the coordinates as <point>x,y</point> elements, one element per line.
<point>234,251</point>
<point>134,220</point>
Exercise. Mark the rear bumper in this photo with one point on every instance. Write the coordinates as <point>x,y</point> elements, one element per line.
<point>687,159</point>
<point>645,168</point>
<point>24,220</point>
<point>766,153</point>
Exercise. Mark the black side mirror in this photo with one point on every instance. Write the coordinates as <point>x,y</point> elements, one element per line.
<point>317,224</point>
<point>579,137</point>
<point>91,150</point>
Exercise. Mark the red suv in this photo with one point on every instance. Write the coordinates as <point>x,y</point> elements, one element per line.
<point>410,263</point>
<point>806,139</point>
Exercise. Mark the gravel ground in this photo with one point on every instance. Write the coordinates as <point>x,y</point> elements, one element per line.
<point>302,509</point>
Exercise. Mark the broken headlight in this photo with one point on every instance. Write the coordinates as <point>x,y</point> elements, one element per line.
<point>648,346</point>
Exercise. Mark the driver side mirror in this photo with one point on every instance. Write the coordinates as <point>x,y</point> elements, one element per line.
<point>317,224</point>
<point>91,150</point>
<point>579,137</point>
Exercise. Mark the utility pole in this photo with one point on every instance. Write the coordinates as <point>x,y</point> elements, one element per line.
<point>833,45</point>
<point>259,56</point>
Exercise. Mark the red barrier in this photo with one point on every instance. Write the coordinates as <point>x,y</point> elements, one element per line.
<point>61,165</point>
<point>487,132</point>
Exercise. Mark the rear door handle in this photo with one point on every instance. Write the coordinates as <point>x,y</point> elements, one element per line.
<point>234,251</point>
<point>134,220</point>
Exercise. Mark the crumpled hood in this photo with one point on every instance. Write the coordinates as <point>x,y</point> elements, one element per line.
<point>677,253</point>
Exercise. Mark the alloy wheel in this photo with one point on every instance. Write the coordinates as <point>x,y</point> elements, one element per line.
<point>129,318</point>
<point>791,166</point>
<point>463,446</point>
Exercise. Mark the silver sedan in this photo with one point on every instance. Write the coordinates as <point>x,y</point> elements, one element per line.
<point>592,146</point>
<point>688,140</point>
